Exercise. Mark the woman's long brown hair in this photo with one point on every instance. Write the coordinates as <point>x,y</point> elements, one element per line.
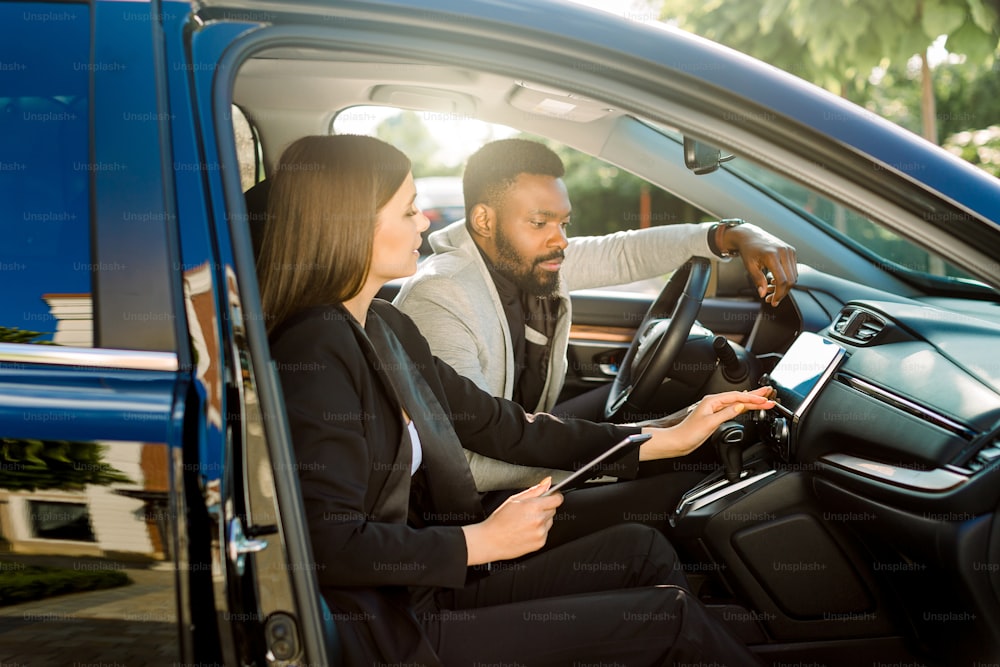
<point>322,207</point>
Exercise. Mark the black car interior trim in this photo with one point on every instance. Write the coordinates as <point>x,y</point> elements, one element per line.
<point>906,405</point>
<point>937,480</point>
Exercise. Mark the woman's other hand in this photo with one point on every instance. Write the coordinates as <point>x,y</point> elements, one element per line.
<point>519,526</point>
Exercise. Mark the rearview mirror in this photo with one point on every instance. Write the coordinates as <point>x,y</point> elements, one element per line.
<point>702,158</point>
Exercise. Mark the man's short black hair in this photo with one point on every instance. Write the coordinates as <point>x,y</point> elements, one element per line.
<point>493,169</point>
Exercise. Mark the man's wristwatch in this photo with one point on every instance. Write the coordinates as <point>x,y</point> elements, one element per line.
<point>717,231</point>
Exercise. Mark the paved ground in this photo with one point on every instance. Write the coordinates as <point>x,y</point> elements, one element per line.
<point>129,626</point>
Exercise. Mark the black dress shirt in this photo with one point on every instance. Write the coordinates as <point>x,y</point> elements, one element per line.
<point>532,322</point>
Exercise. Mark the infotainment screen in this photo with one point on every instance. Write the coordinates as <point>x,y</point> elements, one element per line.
<point>801,372</point>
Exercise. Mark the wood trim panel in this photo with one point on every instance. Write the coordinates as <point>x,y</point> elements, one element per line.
<point>604,334</point>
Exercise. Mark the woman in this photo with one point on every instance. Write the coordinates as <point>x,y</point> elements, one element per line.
<point>403,548</point>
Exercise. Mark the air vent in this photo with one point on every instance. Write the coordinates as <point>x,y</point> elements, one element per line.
<point>840,325</point>
<point>860,326</point>
<point>869,328</point>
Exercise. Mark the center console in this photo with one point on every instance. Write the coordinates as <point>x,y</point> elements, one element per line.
<point>757,525</point>
<point>798,378</point>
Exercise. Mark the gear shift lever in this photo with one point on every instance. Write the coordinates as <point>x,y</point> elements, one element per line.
<point>696,506</point>
<point>728,441</point>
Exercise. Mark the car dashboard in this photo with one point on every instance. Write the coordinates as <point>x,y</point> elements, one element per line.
<point>899,400</point>
<point>880,468</point>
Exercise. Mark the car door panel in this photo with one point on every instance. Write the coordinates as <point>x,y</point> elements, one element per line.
<point>277,589</point>
<point>605,322</point>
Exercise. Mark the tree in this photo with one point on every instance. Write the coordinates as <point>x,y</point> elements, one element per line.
<point>837,43</point>
<point>968,97</point>
<point>16,335</point>
<point>30,465</point>
<point>968,107</point>
<point>407,132</point>
<point>980,147</point>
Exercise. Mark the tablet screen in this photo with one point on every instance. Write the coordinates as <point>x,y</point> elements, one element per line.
<point>593,468</point>
<point>800,371</point>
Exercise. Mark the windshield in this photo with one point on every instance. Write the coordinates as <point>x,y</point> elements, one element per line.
<point>886,248</point>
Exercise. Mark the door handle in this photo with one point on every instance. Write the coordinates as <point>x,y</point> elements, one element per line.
<point>240,545</point>
<point>609,362</point>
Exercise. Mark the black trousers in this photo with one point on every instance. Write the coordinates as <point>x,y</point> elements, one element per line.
<point>588,405</point>
<point>614,597</point>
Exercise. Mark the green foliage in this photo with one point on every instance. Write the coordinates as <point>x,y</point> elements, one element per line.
<point>30,465</point>
<point>15,335</point>
<point>22,583</point>
<point>967,97</point>
<point>830,41</point>
<point>980,147</point>
<point>606,199</point>
<point>896,97</point>
<point>839,43</point>
<point>980,20</point>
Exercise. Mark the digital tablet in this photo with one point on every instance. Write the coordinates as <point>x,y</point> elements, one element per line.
<point>593,467</point>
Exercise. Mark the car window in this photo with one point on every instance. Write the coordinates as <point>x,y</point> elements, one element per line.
<point>247,150</point>
<point>45,260</point>
<point>605,198</point>
<point>441,200</point>
<point>889,250</point>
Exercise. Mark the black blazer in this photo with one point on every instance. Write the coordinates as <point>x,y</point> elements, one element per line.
<point>347,429</point>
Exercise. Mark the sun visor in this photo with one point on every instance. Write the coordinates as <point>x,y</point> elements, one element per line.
<point>424,99</point>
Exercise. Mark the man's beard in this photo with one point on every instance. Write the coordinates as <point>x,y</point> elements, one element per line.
<point>525,273</point>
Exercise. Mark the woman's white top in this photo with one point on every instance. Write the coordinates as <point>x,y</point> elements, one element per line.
<point>418,452</point>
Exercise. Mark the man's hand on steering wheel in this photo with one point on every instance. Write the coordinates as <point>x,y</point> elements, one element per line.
<point>763,253</point>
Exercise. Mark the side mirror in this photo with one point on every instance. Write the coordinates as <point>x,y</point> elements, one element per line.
<point>702,158</point>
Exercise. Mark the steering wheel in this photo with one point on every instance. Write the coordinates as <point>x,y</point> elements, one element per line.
<point>659,339</point>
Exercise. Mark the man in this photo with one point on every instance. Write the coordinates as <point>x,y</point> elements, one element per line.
<point>493,301</point>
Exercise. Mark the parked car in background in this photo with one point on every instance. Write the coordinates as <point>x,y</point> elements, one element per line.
<point>441,200</point>
<point>863,528</point>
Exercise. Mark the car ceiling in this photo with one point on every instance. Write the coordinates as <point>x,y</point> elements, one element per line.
<point>311,86</point>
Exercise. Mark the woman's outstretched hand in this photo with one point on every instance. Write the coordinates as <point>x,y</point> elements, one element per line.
<point>705,416</point>
<point>519,526</point>
<point>522,523</point>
